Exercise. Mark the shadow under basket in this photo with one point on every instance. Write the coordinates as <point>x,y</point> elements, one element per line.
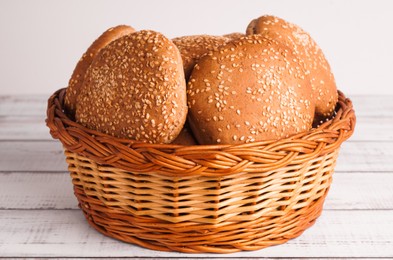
<point>204,198</point>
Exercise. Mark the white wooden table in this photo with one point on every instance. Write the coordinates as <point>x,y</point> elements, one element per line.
<point>39,216</point>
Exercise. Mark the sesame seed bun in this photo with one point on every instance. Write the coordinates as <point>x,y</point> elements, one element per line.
<point>312,58</point>
<point>248,90</point>
<point>135,89</point>
<point>77,77</point>
<point>193,47</point>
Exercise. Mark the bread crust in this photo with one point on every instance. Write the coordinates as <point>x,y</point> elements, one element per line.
<point>135,89</point>
<point>312,59</point>
<point>248,90</point>
<point>77,77</point>
<point>193,47</point>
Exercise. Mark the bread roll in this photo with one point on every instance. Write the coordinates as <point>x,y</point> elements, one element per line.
<point>312,58</point>
<point>135,89</point>
<point>248,90</point>
<point>185,137</point>
<point>193,47</point>
<point>76,80</point>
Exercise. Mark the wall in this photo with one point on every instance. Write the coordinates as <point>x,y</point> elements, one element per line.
<point>41,40</point>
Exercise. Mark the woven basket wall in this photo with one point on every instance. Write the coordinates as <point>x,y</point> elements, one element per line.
<point>216,198</point>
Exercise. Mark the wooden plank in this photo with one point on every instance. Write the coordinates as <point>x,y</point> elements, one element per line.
<point>53,233</point>
<point>48,156</point>
<point>34,128</point>
<point>31,105</point>
<point>32,156</point>
<point>24,128</point>
<point>365,106</point>
<point>372,106</point>
<point>358,191</point>
<point>53,190</point>
<point>365,157</point>
<point>373,129</point>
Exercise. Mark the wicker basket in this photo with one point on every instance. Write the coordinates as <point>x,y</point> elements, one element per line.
<point>206,198</point>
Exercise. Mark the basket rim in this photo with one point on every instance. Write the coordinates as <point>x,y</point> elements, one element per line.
<point>143,157</point>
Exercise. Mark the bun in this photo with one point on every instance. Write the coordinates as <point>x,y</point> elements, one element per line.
<point>248,90</point>
<point>312,58</point>
<point>135,89</point>
<point>193,47</point>
<point>77,77</point>
<point>185,137</point>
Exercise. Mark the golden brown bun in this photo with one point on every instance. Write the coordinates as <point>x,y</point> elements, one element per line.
<point>248,90</point>
<point>76,80</point>
<point>314,61</point>
<point>135,89</point>
<point>234,36</point>
<point>185,137</point>
<point>193,47</point>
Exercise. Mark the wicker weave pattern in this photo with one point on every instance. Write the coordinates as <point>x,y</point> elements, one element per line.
<point>221,198</point>
<point>190,237</point>
<point>237,197</point>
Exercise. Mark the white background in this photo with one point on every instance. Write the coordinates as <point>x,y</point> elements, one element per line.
<point>41,40</point>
